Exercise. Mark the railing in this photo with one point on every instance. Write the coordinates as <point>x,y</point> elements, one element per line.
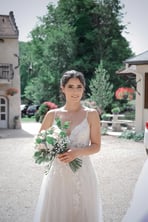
<point>116,123</point>
<point>6,71</point>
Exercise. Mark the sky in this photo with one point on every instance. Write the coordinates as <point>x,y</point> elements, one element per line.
<point>26,14</point>
<point>136,20</point>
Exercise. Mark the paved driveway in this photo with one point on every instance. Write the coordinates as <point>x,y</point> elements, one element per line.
<point>117,166</point>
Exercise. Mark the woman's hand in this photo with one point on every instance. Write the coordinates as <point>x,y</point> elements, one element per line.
<point>68,156</point>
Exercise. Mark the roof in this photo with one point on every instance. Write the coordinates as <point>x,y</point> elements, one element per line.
<point>139,59</point>
<point>8,28</point>
<point>126,71</point>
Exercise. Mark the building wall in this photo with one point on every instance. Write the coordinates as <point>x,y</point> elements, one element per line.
<point>141,112</point>
<point>9,52</point>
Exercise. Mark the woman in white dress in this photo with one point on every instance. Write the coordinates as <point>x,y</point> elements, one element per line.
<point>138,209</point>
<point>66,196</point>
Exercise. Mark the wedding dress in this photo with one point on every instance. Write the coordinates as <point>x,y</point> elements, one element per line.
<point>138,209</point>
<point>66,196</point>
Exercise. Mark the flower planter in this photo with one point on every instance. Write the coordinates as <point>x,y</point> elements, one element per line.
<point>11,91</point>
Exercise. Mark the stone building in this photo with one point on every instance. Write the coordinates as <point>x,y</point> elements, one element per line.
<point>10,115</point>
<point>137,67</point>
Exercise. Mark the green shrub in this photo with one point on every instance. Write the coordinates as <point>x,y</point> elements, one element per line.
<point>104,116</point>
<point>128,134</point>
<point>103,131</point>
<point>139,136</point>
<point>39,116</point>
<point>43,109</point>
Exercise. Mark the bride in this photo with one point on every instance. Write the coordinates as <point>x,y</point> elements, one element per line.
<point>66,196</point>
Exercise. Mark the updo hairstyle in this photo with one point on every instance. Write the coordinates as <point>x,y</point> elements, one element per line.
<point>72,74</point>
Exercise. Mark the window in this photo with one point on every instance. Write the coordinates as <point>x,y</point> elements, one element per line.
<point>146,92</point>
<point>6,71</point>
<point>3,112</point>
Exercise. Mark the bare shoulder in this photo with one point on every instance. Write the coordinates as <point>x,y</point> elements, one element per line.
<point>50,115</point>
<point>48,119</point>
<point>92,115</point>
<point>53,111</point>
<point>91,111</point>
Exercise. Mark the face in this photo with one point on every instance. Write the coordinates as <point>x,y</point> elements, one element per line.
<point>73,90</point>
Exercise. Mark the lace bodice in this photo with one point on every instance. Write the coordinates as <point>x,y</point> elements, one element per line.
<point>80,135</point>
<point>79,138</point>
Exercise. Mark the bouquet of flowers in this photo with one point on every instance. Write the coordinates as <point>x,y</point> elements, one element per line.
<point>51,142</point>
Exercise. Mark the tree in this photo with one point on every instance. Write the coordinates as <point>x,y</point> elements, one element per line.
<point>24,51</point>
<point>52,50</point>
<point>101,88</point>
<point>98,31</point>
<point>75,35</point>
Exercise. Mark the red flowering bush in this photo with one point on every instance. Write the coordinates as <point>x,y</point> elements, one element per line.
<point>43,109</point>
<point>50,105</point>
<point>125,93</point>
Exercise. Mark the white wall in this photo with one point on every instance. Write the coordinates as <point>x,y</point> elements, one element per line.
<point>7,50</point>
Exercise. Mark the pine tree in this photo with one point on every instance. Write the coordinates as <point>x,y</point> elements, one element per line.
<point>101,89</point>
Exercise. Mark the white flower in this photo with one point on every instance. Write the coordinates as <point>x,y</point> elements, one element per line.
<point>52,142</point>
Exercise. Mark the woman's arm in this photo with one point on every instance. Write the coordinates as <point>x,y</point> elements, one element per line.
<point>95,135</point>
<point>95,140</point>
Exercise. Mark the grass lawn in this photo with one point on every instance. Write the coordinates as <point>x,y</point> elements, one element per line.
<point>27,119</point>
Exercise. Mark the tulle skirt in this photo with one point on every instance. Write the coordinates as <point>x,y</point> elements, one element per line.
<point>138,210</point>
<point>69,197</point>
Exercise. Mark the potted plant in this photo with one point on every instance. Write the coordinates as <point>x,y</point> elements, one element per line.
<point>115,125</point>
<point>115,110</point>
<point>11,91</point>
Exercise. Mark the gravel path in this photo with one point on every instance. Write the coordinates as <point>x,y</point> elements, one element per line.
<point>117,165</point>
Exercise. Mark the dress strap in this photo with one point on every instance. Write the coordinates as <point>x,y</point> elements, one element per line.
<point>54,116</point>
<point>55,113</point>
<point>86,113</point>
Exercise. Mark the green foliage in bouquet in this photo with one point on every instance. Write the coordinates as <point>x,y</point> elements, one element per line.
<point>51,142</point>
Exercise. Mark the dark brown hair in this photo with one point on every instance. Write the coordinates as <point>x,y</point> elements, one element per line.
<point>72,74</point>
